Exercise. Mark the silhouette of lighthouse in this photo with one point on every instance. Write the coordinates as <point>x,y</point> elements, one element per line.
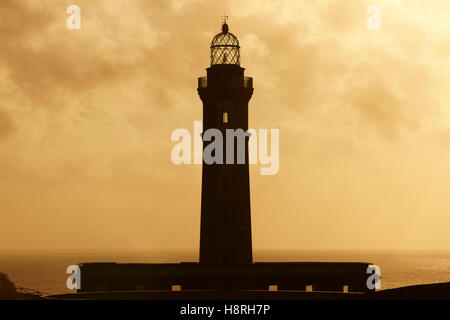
<point>225,232</point>
<point>225,235</point>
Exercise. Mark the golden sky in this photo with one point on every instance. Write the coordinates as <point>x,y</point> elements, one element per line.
<point>86,117</point>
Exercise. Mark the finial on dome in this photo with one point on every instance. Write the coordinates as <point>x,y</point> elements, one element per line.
<point>225,25</point>
<point>225,28</point>
<point>225,47</point>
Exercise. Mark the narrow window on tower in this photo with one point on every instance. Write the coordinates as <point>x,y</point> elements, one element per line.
<point>225,117</point>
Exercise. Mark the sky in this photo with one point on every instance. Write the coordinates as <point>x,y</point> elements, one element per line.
<point>86,118</point>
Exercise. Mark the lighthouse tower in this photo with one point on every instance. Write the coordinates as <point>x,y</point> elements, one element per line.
<point>225,232</point>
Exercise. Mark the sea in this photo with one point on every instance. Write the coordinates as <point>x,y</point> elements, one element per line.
<point>45,271</point>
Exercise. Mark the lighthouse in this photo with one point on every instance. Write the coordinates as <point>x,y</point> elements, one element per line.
<point>226,262</point>
<point>225,231</point>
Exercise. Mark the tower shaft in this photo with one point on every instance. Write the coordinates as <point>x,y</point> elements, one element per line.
<point>225,232</point>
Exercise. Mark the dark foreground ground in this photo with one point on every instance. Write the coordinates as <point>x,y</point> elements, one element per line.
<point>438,291</point>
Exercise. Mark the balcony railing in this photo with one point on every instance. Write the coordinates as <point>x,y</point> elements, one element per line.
<point>203,82</point>
<point>248,82</point>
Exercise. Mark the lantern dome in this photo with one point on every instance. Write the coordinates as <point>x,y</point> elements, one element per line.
<point>225,48</point>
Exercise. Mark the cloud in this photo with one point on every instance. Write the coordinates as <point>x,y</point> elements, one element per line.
<point>6,125</point>
<point>87,116</point>
<point>379,105</point>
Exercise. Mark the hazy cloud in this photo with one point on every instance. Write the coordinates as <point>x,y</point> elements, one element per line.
<point>86,117</point>
<point>6,125</point>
